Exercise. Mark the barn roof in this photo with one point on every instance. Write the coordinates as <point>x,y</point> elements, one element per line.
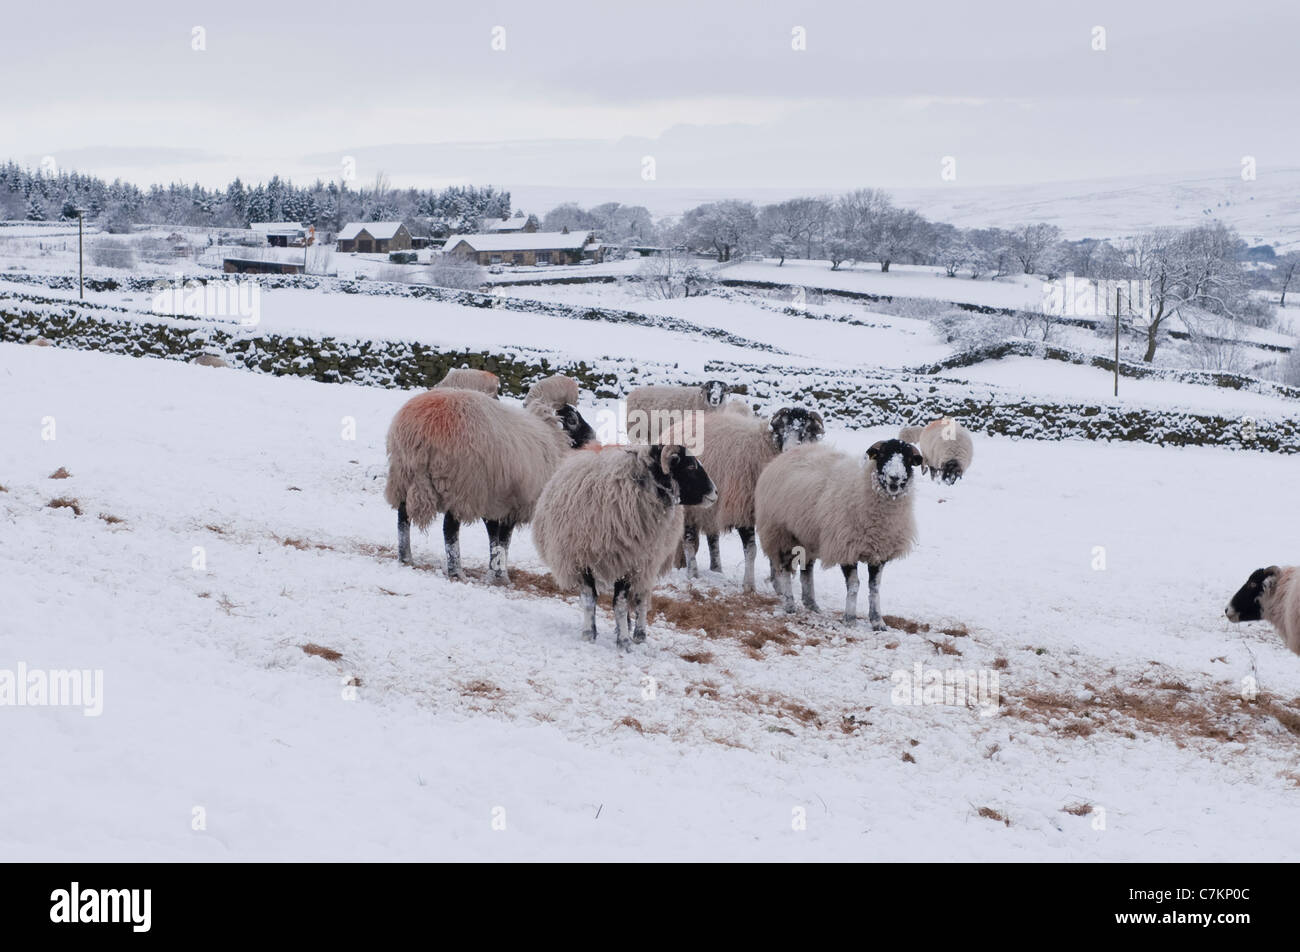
<point>523,241</point>
<point>379,230</point>
<point>508,225</point>
<point>276,227</point>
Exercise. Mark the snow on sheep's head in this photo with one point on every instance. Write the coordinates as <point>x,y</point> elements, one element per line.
<point>715,391</point>
<point>1247,604</point>
<point>949,474</point>
<point>891,463</point>
<point>680,477</point>
<point>794,426</point>
<point>579,430</point>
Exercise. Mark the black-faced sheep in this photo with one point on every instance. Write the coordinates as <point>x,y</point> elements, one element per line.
<point>612,517</point>
<point>464,378</point>
<point>465,454</point>
<point>946,448</point>
<point>816,503</point>
<point>735,449</point>
<point>653,410</point>
<point>554,391</point>
<point>1272,595</point>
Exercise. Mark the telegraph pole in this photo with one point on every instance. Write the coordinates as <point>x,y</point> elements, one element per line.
<point>1117,298</point>
<point>81,267</point>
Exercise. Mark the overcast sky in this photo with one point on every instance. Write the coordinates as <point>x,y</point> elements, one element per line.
<point>712,90</point>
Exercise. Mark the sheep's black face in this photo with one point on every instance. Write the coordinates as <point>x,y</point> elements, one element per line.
<point>715,391</point>
<point>579,430</point>
<point>691,485</point>
<point>1245,605</point>
<point>794,426</point>
<point>893,462</point>
<point>951,472</point>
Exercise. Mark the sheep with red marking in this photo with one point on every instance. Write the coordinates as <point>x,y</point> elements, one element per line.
<point>1272,595</point>
<point>469,456</point>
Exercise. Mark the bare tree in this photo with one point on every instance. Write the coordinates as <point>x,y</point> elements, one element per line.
<point>1284,271</point>
<point>670,274</point>
<point>728,227</point>
<point>1030,242</point>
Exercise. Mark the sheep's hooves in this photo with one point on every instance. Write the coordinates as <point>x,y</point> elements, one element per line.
<point>501,580</point>
<point>811,607</point>
<point>638,637</point>
<point>589,635</point>
<point>623,644</point>
<point>879,625</point>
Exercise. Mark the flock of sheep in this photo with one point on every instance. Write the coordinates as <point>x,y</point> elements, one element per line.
<point>618,517</point>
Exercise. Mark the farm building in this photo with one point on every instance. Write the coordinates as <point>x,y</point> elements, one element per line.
<point>284,234</point>
<point>527,248</point>
<point>249,266</point>
<point>374,237</point>
<point>509,226</point>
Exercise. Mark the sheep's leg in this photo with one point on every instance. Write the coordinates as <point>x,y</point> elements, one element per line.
<point>715,554</point>
<point>403,535</point>
<point>751,553</point>
<point>806,587</point>
<point>873,596</point>
<point>691,545</point>
<point>640,603</point>
<point>499,550</point>
<point>850,593</point>
<point>588,606</point>
<point>782,580</point>
<point>451,538</point>
<point>620,615</point>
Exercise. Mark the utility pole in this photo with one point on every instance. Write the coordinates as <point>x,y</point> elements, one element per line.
<point>81,267</point>
<point>1117,299</point>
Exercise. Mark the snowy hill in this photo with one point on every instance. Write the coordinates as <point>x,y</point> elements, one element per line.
<point>454,705</point>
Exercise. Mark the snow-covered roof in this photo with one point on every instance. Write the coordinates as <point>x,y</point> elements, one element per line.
<point>379,230</point>
<point>523,241</point>
<point>276,227</point>
<point>510,224</point>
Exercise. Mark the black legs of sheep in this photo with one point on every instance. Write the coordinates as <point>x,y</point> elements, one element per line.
<point>873,595</point>
<point>691,546</point>
<point>629,612</point>
<point>403,535</point>
<point>751,552</point>
<point>451,539</point>
<point>499,550</point>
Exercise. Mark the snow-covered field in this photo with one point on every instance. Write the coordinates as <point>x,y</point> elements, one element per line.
<point>462,721</point>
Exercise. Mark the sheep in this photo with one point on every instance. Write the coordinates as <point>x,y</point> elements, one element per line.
<point>40,342</point>
<point>651,411</point>
<point>463,378</point>
<point>1273,595</point>
<point>735,449</point>
<point>463,453</point>
<point>816,503</point>
<point>614,517</point>
<point>555,391</point>
<point>209,360</point>
<point>946,447</point>
<point>738,407</point>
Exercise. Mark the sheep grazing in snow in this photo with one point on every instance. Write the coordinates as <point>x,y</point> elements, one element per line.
<point>613,517</point>
<point>554,391</point>
<point>652,411</point>
<point>946,448</point>
<point>734,450</point>
<point>467,455</point>
<point>816,503</point>
<point>463,378</point>
<point>1272,595</point>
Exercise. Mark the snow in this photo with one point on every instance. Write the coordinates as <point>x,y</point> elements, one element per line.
<point>478,703</point>
<point>379,230</point>
<point>522,241</point>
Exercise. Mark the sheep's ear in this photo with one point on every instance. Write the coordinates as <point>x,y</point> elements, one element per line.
<point>1270,580</point>
<point>917,459</point>
<point>779,419</point>
<point>874,451</point>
